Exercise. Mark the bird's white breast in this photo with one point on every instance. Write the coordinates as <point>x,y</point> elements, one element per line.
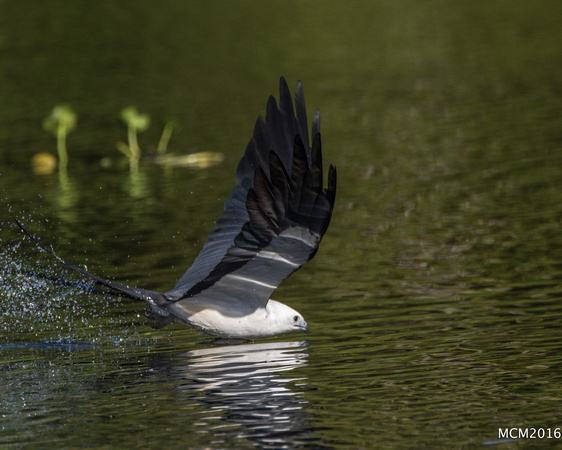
<point>262,322</point>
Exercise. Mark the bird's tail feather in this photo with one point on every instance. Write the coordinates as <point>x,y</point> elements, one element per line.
<point>151,297</point>
<point>64,282</point>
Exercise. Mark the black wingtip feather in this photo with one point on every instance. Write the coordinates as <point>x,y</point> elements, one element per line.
<point>300,107</point>
<point>316,123</point>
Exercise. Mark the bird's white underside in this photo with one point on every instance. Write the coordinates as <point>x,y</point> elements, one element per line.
<point>273,319</point>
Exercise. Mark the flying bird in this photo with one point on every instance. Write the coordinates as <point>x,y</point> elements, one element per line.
<point>271,225</point>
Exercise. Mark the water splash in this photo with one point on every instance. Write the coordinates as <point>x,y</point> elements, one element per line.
<point>35,307</point>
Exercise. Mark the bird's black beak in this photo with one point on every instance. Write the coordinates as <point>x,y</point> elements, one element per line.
<point>305,328</point>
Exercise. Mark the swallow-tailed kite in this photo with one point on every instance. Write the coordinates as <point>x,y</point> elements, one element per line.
<point>270,227</point>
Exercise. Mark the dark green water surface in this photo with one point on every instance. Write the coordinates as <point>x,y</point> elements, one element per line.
<point>435,301</point>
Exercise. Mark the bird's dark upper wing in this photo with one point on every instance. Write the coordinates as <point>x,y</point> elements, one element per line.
<point>275,217</point>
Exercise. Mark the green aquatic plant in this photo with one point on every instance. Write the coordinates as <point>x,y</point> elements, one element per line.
<point>135,123</point>
<point>201,160</point>
<point>169,126</point>
<point>43,163</point>
<point>60,122</point>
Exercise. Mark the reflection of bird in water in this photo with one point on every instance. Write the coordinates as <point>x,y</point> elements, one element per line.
<point>213,366</point>
<point>243,385</point>
<point>271,225</point>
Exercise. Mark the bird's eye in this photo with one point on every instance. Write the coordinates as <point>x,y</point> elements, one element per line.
<point>296,319</point>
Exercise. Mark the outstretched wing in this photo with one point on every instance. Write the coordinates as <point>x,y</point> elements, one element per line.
<point>275,217</point>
